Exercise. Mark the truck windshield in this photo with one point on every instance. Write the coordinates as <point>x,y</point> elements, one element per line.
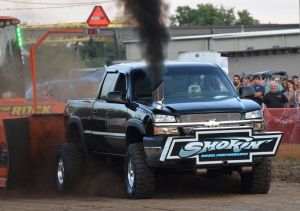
<point>191,84</point>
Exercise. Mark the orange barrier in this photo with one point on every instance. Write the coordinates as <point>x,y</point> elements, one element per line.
<point>32,149</point>
<point>19,107</point>
<point>36,130</point>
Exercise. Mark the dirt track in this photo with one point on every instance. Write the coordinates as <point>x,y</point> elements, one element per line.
<point>174,193</point>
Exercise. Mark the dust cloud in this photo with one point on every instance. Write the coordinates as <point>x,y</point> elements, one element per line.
<point>62,73</point>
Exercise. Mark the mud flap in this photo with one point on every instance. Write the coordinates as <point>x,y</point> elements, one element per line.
<point>17,136</point>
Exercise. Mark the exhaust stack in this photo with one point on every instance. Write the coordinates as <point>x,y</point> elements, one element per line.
<point>158,96</point>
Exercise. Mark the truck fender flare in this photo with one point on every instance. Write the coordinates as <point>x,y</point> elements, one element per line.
<point>137,124</point>
<point>76,120</point>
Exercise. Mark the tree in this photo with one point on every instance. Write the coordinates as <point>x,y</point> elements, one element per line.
<point>208,14</point>
<point>245,18</point>
<point>97,54</point>
<point>185,16</point>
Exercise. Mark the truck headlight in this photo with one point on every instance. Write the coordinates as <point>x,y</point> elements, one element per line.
<point>163,118</point>
<point>258,114</point>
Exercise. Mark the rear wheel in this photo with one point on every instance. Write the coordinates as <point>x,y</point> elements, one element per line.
<point>69,167</point>
<point>139,178</point>
<point>259,180</point>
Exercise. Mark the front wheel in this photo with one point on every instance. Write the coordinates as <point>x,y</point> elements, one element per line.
<point>259,180</point>
<point>139,178</point>
<point>69,167</point>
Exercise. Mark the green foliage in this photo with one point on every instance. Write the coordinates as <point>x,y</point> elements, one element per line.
<point>184,15</point>
<point>92,49</point>
<point>208,14</point>
<point>245,18</point>
<point>97,54</point>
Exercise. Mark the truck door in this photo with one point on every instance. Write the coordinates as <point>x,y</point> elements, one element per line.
<point>99,115</point>
<point>116,120</point>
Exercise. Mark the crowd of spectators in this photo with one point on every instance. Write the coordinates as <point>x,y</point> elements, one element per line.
<point>276,92</point>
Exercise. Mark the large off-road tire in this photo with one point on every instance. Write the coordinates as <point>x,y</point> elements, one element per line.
<point>69,167</point>
<point>258,181</point>
<point>139,178</point>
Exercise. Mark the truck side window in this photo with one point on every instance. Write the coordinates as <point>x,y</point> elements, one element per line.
<point>108,84</point>
<point>141,86</point>
<point>121,85</point>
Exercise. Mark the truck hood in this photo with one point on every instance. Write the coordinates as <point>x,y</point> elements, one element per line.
<point>224,105</point>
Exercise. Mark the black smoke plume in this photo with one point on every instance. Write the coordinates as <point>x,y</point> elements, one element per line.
<point>149,17</point>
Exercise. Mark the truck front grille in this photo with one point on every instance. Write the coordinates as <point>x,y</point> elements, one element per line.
<point>210,116</point>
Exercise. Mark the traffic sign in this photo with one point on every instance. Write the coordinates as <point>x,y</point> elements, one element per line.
<point>98,18</point>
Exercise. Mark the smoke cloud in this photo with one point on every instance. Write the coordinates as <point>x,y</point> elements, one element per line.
<point>148,15</point>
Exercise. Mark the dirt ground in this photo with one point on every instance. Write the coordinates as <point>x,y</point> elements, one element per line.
<point>174,193</point>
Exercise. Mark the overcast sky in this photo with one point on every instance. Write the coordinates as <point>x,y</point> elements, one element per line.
<point>266,11</point>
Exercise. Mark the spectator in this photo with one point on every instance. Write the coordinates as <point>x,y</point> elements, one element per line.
<point>297,95</point>
<point>259,89</point>
<point>290,94</point>
<point>295,79</point>
<point>284,84</point>
<point>277,80</point>
<point>274,98</point>
<point>245,81</point>
<point>237,82</point>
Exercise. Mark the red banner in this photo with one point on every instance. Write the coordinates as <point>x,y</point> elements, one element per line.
<point>286,120</point>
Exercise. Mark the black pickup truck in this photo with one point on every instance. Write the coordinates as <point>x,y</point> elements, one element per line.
<point>194,121</point>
